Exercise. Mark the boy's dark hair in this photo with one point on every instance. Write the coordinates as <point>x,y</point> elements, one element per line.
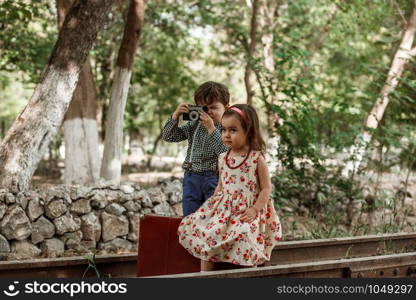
<point>210,92</point>
<point>250,123</point>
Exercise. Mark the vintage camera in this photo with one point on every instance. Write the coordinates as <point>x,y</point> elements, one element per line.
<point>193,114</point>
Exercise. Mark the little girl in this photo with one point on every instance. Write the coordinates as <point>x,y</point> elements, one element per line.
<point>238,224</point>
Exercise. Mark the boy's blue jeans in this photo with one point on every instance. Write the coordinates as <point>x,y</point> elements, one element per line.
<point>197,187</point>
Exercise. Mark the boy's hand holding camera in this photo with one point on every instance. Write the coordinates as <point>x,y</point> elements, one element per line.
<point>206,121</point>
<point>204,118</point>
<point>182,108</point>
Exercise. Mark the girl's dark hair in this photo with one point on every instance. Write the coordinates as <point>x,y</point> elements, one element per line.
<point>250,123</point>
<point>210,92</point>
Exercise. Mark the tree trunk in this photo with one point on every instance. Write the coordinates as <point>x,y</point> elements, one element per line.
<point>2,128</point>
<point>35,127</point>
<point>151,154</point>
<point>250,53</point>
<point>268,11</point>
<point>402,56</point>
<point>82,157</point>
<point>111,164</point>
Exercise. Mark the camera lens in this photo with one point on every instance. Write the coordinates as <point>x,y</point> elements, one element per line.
<point>194,115</point>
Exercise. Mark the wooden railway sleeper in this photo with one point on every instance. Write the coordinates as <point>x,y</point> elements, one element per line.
<point>383,272</point>
<point>411,272</point>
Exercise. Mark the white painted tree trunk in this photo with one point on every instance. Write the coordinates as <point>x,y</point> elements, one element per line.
<point>268,22</point>
<point>30,135</point>
<point>356,153</point>
<point>113,145</point>
<point>82,157</point>
<point>32,131</point>
<point>111,164</point>
<point>402,56</point>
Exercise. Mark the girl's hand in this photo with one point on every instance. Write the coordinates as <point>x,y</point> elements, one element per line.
<point>249,215</point>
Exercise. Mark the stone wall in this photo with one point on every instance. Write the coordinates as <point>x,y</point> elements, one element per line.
<point>73,220</point>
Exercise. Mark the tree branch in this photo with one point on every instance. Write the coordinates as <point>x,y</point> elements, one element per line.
<point>400,11</point>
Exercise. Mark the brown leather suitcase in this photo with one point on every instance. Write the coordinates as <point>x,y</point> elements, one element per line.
<point>159,250</point>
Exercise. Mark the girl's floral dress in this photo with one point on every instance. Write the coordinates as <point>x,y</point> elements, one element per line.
<point>215,233</point>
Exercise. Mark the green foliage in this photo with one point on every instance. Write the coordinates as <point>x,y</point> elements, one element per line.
<point>27,36</point>
<point>12,99</point>
<point>26,42</point>
<point>317,189</point>
<point>322,109</point>
<point>90,257</point>
<point>162,76</point>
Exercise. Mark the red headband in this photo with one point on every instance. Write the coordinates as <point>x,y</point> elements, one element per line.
<point>240,112</point>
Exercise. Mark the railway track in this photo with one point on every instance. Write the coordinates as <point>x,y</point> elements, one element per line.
<point>390,255</point>
<point>119,265</point>
<point>395,265</point>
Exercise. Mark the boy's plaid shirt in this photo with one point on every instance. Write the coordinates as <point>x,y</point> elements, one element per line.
<point>203,149</point>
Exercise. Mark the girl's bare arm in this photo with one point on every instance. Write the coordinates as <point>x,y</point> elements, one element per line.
<point>265,190</point>
<point>265,184</point>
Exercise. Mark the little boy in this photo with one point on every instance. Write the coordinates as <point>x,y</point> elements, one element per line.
<point>204,143</point>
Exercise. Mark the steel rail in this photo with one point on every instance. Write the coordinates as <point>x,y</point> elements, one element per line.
<point>346,247</point>
<point>115,265</point>
<point>393,265</point>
